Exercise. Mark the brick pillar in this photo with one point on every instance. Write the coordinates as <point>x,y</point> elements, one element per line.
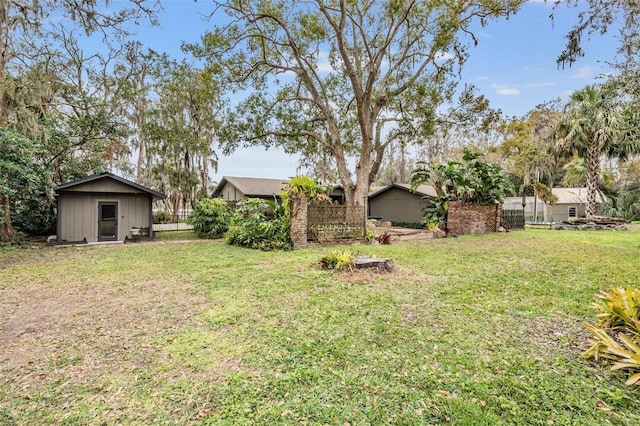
<point>498,217</point>
<point>298,225</point>
<point>453,219</point>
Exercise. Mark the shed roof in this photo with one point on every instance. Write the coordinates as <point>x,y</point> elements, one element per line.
<point>424,190</point>
<point>107,175</point>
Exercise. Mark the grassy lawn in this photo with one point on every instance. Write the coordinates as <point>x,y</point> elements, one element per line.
<point>176,235</point>
<point>476,330</point>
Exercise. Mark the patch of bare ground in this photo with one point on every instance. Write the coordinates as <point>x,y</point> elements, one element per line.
<point>31,256</point>
<point>550,334</point>
<point>374,276</point>
<point>80,332</point>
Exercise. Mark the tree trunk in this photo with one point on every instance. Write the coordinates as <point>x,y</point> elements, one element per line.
<point>361,190</point>
<point>7,233</point>
<point>4,34</point>
<point>593,171</point>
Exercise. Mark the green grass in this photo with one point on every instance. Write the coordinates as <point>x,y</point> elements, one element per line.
<point>476,330</point>
<point>176,235</point>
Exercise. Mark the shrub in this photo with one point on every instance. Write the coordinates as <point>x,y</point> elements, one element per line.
<point>339,260</point>
<point>161,216</point>
<point>619,312</point>
<point>210,218</point>
<point>471,181</point>
<point>34,216</point>
<point>259,224</point>
<point>626,206</point>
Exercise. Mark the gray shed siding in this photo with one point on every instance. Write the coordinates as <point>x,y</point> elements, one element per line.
<point>397,205</point>
<point>78,212</point>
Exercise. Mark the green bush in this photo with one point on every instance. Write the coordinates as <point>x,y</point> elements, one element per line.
<point>471,181</point>
<point>259,224</point>
<point>626,206</point>
<point>34,216</point>
<point>162,216</point>
<point>617,331</point>
<point>210,218</point>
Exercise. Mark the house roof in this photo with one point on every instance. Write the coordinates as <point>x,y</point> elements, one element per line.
<point>424,190</point>
<point>565,196</point>
<point>252,187</point>
<point>574,195</point>
<point>107,175</point>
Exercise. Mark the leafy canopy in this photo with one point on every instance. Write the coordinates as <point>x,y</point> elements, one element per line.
<point>25,185</point>
<point>351,77</point>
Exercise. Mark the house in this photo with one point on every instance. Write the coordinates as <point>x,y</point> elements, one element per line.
<point>103,207</point>
<point>398,203</point>
<point>240,188</point>
<point>571,204</point>
<point>235,189</point>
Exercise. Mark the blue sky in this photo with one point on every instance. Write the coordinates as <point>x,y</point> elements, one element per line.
<point>514,66</point>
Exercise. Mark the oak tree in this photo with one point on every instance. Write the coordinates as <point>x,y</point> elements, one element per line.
<point>345,77</point>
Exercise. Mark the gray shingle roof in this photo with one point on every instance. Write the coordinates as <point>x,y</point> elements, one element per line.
<point>253,187</point>
<point>565,196</point>
<point>424,190</point>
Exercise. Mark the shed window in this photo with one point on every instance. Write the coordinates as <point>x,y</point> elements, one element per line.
<point>573,213</point>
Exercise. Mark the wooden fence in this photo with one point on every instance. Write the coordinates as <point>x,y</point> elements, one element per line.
<point>332,222</point>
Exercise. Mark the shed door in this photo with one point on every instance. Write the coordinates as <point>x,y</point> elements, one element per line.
<point>107,221</point>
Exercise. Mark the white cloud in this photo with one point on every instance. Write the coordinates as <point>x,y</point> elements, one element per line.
<point>584,73</point>
<point>540,85</point>
<point>503,89</point>
<point>444,56</point>
<point>482,78</point>
<point>323,62</point>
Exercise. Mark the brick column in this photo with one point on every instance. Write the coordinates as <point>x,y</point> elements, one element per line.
<point>298,225</point>
<point>453,219</point>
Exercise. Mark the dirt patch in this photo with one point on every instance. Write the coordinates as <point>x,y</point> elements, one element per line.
<point>549,334</point>
<point>80,331</point>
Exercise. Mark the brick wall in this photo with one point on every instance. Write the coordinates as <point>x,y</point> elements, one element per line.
<point>473,218</point>
<point>299,222</point>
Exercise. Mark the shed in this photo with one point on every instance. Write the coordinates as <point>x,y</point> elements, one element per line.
<point>103,207</point>
<point>240,188</point>
<point>398,203</point>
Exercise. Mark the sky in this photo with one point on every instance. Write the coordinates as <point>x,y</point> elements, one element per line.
<point>513,65</point>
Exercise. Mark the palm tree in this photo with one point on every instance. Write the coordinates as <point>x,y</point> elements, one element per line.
<point>575,172</point>
<point>595,124</point>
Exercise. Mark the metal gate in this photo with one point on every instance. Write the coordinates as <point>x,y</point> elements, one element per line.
<point>513,219</point>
